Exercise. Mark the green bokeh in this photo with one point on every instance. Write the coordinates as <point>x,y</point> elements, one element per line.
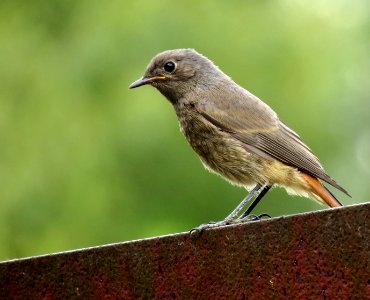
<point>85,161</point>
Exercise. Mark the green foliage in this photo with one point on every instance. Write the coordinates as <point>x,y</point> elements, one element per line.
<point>84,161</point>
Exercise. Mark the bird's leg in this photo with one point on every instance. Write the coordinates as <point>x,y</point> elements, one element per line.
<point>265,189</point>
<point>235,212</point>
<point>232,216</point>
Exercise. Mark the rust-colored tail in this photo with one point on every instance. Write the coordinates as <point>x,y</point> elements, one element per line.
<point>321,190</point>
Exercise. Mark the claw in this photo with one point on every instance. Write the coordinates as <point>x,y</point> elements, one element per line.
<point>201,227</point>
<point>266,216</point>
<point>212,224</point>
<point>252,218</point>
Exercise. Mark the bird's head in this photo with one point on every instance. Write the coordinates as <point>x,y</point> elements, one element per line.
<point>177,72</point>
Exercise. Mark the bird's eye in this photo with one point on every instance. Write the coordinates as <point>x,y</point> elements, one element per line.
<point>169,66</point>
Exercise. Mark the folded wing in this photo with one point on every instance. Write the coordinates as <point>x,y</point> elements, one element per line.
<point>254,123</point>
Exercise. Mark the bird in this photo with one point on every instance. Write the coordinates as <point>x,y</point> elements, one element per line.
<point>234,133</point>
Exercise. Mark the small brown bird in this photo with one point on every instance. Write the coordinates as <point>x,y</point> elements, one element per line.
<point>235,134</point>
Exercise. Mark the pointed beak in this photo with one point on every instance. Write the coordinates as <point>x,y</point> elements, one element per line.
<point>144,80</point>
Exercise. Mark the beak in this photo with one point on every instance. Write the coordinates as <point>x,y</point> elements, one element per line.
<point>143,81</point>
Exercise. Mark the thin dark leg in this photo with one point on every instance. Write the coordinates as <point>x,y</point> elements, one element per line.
<point>255,202</point>
<point>241,205</point>
<point>233,216</point>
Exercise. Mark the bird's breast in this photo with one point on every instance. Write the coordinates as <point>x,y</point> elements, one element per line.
<point>218,151</point>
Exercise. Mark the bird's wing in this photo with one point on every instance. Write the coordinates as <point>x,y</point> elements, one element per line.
<point>254,123</point>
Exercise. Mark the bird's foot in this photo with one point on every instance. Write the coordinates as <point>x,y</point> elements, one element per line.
<point>212,224</point>
<point>251,218</point>
<point>248,218</point>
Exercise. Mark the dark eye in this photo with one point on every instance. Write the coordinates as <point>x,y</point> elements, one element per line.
<point>169,66</point>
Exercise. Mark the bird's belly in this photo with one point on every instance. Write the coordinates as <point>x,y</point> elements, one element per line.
<point>220,153</point>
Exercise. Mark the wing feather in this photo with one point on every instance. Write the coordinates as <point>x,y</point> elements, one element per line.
<point>254,123</point>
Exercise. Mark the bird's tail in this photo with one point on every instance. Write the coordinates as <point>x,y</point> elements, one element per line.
<point>321,191</point>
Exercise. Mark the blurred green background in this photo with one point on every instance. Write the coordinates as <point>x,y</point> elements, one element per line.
<point>84,161</point>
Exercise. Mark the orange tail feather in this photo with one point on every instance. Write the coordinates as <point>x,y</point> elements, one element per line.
<point>320,190</point>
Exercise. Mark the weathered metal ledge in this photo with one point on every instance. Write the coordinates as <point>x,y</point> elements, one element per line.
<point>319,255</point>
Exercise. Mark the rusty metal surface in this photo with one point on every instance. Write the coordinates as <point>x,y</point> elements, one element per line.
<point>321,255</point>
